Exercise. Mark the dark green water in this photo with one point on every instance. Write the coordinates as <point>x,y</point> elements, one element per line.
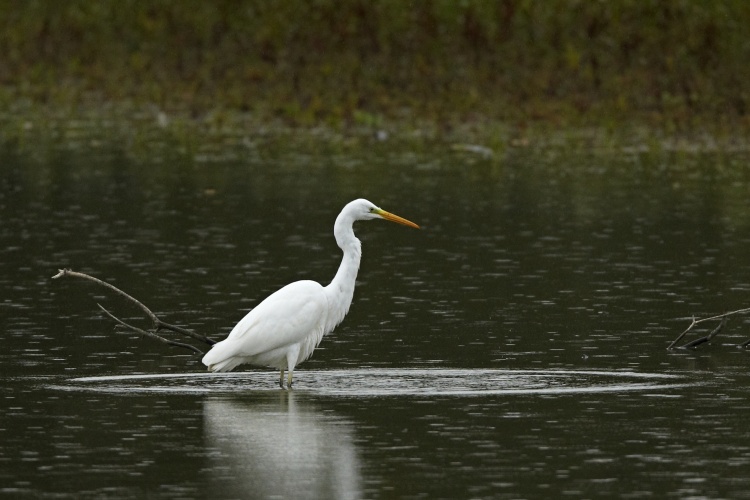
<point>513,348</point>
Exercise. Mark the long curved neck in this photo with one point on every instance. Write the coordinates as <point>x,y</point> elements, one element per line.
<point>341,289</point>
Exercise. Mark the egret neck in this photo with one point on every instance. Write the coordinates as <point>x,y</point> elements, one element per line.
<point>341,289</point>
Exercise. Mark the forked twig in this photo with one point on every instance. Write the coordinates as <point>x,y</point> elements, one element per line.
<point>708,337</point>
<point>714,332</point>
<point>158,323</point>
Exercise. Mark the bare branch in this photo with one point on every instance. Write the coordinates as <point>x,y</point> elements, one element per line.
<point>708,337</point>
<point>152,335</point>
<point>185,331</point>
<point>74,274</point>
<point>713,333</point>
<point>679,337</point>
<point>158,323</point>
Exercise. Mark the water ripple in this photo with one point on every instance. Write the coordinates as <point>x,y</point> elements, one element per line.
<point>368,382</point>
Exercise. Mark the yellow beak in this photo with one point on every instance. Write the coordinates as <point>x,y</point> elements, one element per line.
<point>395,218</point>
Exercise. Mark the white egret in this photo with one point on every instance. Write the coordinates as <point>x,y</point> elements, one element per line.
<point>284,330</point>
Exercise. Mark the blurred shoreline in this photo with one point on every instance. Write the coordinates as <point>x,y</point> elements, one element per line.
<point>499,74</point>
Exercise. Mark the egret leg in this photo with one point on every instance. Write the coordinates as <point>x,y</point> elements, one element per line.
<point>292,355</point>
<point>281,379</point>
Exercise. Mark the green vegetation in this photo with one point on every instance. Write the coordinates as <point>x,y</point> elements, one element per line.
<point>443,64</point>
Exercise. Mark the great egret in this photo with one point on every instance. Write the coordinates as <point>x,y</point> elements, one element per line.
<point>284,330</point>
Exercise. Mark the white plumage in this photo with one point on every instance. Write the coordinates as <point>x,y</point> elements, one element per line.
<point>284,329</point>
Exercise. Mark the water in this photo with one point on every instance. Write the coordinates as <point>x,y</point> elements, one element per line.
<point>513,348</point>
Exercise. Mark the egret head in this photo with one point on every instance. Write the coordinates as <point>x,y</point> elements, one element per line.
<point>366,210</point>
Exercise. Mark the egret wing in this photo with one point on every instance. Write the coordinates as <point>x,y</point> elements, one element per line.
<point>285,317</point>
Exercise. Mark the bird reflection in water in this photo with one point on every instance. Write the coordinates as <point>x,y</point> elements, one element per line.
<point>279,448</point>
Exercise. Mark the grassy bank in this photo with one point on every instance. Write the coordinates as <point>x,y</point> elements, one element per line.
<point>444,65</point>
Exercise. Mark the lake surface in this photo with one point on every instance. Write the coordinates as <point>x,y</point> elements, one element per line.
<point>515,347</point>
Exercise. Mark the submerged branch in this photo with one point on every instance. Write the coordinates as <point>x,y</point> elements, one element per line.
<point>708,337</point>
<point>723,317</point>
<point>158,323</point>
